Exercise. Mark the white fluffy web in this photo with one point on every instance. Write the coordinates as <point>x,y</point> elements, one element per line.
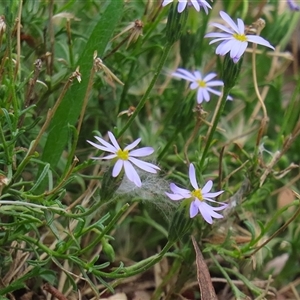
<point>152,192</point>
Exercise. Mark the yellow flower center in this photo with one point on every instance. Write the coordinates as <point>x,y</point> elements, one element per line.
<point>201,83</point>
<point>123,154</point>
<point>240,37</point>
<point>197,194</point>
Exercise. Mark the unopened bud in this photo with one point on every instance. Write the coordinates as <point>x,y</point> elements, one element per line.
<point>110,184</point>
<point>108,250</point>
<point>181,222</point>
<point>176,23</point>
<point>231,71</point>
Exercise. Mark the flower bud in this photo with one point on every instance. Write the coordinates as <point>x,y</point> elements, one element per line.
<point>108,250</point>
<point>231,71</point>
<point>110,184</point>
<point>181,222</point>
<point>175,24</point>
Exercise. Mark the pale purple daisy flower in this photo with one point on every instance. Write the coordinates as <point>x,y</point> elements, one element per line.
<point>202,83</point>
<point>126,158</point>
<point>182,4</point>
<point>198,196</point>
<point>234,40</point>
<point>292,5</point>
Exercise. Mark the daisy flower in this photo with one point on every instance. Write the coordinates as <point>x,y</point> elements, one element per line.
<point>234,39</point>
<point>125,158</point>
<point>203,84</point>
<point>183,3</point>
<point>198,197</point>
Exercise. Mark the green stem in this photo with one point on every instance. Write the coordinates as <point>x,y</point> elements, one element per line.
<point>142,102</point>
<point>43,247</point>
<point>107,229</point>
<point>126,272</point>
<point>292,110</point>
<point>214,126</point>
<point>80,121</point>
<point>89,211</point>
<point>166,279</point>
<point>5,148</point>
<point>12,85</point>
<point>238,294</point>
<point>169,143</point>
<point>139,267</point>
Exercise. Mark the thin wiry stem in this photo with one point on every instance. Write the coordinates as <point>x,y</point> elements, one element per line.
<point>144,99</point>
<point>260,99</point>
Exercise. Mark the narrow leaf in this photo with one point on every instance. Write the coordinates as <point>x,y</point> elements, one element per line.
<point>70,108</point>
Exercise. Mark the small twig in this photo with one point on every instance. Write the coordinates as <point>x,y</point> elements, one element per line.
<point>260,99</point>
<point>266,292</point>
<point>281,229</point>
<point>117,47</point>
<point>23,203</point>
<point>18,21</point>
<point>191,138</point>
<point>52,37</point>
<point>54,292</point>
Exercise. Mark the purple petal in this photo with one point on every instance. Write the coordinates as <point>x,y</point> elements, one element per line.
<point>207,187</point>
<point>193,209</point>
<point>145,151</point>
<point>212,195</point>
<point>220,40</point>
<point>215,83</point>
<point>177,190</point>
<point>205,8</point>
<point>194,85</point>
<point>204,4</point>
<point>174,197</point>
<point>293,5</point>
<point>229,21</point>
<point>205,94</point>
<point>148,167</point>
<point>259,40</point>
<point>209,77</point>
<point>132,145</point>
<point>183,74</point>
<point>166,2</point>
<point>219,35</point>
<point>241,26</point>
<point>221,207</point>
<point>198,75</point>
<point>117,168</point>
<point>106,144</point>
<point>132,174</point>
<point>238,48</point>
<point>224,47</point>
<point>196,5</point>
<point>229,98</point>
<point>192,175</point>
<point>205,210</point>
<point>200,96</point>
<point>218,93</point>
<point>106,149</point>
<point>111,156</point>
<point>215,215</point>
<point>181,5</point>
<point>113,140</point>
<point>228,31</point>
<point>236,59</point>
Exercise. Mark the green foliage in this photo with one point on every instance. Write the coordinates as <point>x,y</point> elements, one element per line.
<point>67,222</point>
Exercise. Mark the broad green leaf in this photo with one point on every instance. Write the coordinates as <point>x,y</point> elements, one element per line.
<point>70,108</point>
